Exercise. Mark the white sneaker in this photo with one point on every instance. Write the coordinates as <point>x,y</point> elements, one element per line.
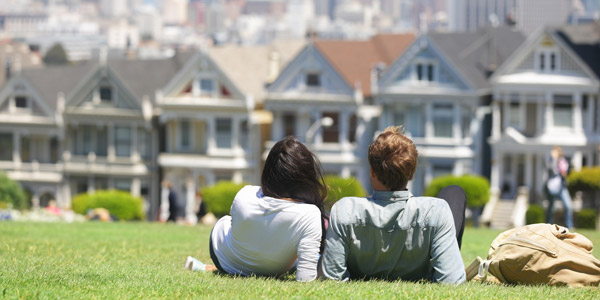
<point>193,264</point>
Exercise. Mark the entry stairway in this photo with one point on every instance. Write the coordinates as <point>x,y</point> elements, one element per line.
<point>506,213</point>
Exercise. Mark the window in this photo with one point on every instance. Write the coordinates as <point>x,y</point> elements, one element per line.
<point>207,86</point>
<point>102,141</point>
<point>84,140</point>
<point>398,119</point>
<point>224,133</point>
<point>563,111</point>
<point>244,134</point>
<point>442,120</point>
<point>25,149</point>
<point>313,80</point>
<point>123,140</point>
<point>223,177</point>
<point>331,133</point>
<point>100,183</point>
<point>53,150</point>
<point>552,61</point>
<point>441,170</point>
<point>289,124</point>
<point>106,94</point>
<point>542,61</point>
<point>425,72</point>
<point>144,143</point>
<point>466,121</point>
<point>548,60</point>
<point>123,185</point>
<point>185,132</point>
<point>514,114</point>
<point>352,130</point>
<point>6,146</point>
<point>21,102</point>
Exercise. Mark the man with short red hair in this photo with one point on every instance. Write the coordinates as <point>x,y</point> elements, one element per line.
<point>393,234</point>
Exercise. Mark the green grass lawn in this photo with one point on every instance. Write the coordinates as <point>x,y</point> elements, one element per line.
<point>144,260</point>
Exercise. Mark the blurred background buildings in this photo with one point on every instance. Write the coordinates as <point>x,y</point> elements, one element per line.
<point>101,94</point>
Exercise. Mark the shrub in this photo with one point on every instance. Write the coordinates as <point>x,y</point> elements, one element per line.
<point>588,179</point>
<point>119,203</point>
<point>11,193</point>
<point>535,214</point>
<point>586,218</point>
<point>477,188</point>
<point>219,197</point>
<point>338,188</point>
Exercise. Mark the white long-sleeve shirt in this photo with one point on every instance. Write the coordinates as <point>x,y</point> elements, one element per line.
<point>265,235</point>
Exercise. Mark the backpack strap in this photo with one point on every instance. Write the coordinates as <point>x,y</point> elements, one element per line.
<point>483,269</point>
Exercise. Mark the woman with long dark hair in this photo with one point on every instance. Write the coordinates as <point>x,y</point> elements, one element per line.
<point>277,224</point>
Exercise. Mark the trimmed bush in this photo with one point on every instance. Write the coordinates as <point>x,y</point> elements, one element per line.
<point>535,214</point>
<point>338,188</point>
<point>119,203</point>
<point>586,218</point>
<point>219,197</point>
<point>588,179</point>
<point>477,188</point>
<point>11,193</point>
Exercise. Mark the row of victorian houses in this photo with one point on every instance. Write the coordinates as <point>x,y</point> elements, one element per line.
<point>488,102</point>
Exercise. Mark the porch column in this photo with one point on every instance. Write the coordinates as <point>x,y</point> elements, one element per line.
<point>212,144</point>
<point>110,153</point>
<point>66,193</point>
<point>548,112</point>
<point>17,149</point>
<point>136,184</point>
<point>506,108</point>
<point>529,170</point>
<point>344,128</point>
<point>318,137</point>
<point>428,120</point>
<point>496,121</point>
<point>496,170</point>
<point>456,133</point>
<point>235,133</point>
<point>190,216</point>
<point>577,113</point>
<point>164,203</point>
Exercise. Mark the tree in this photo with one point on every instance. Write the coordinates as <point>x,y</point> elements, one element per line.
<point>56,55</point>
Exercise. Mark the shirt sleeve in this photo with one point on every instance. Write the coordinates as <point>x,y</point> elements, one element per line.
<point>445,255</point>
<point>308,249</point>
<point>336,251</point>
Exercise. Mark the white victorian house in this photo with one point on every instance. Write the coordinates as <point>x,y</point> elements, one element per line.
<point>546,95</point>
<point>332,80</point>
<point>80,128</point>
<point>438,90</point>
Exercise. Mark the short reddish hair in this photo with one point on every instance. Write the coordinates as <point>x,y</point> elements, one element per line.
<point>393,158</point>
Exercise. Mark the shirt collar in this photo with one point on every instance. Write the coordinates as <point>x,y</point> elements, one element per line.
<point>392,195</point>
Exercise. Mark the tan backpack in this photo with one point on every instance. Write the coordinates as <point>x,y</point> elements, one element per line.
<point>539,254</point>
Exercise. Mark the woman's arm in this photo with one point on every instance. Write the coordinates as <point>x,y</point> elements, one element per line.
<point>308,248</point>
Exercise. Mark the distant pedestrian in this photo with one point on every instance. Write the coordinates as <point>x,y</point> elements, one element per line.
<point>174,209</point>
<point>556,186</point>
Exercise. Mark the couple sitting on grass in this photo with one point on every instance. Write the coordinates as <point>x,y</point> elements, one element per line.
<point>282,224</point>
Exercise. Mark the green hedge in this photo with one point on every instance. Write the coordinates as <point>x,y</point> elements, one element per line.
<point>586,218</point>
<point>476,187</point>
<point>119,203</point>
<point>588,179</point>
<point>11,193</point>
<point>219,197</point>
<point>535,214</point>
<point>338,188</point>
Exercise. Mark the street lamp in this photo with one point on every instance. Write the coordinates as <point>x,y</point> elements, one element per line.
<point>325,122</point>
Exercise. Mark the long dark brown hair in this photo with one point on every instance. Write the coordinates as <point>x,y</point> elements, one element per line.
<point>292,171</point>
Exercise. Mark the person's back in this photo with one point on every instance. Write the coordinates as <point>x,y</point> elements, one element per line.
<point>264,235</point>
<point>393,235</point>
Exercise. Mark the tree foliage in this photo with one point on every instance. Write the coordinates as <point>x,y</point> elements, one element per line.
<point>11,193</point>
<point>56,55</point>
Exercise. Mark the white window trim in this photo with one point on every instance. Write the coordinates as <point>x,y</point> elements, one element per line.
<point>425,62</point>
<point>547,51</point>
<point>558,128</point>
<point>20,110</point>
<point>196,89</point>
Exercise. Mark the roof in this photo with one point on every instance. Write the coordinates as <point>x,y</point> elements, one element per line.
<point>354,60</point>
<point>248,66</point>
<point>475,55</point>
<point>141,77</point>
<point>584,40</point>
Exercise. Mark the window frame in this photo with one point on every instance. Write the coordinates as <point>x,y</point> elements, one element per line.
<point>437,114</point>
<point>218,133</point>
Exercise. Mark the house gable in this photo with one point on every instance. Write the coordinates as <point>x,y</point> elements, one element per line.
<point>102,88</point>
<point>201,76</point>
<point>422,65</point>
<point>545,53</point>
<point>19,97</point>
<point>310,73</point>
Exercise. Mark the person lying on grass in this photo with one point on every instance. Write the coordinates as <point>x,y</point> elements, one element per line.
<point>393,234</point>
<point>275,225</point>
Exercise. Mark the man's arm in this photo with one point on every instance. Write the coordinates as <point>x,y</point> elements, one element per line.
<point>445,255</point>
<point>336,251</point>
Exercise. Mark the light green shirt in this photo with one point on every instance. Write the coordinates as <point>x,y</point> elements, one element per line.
<point>392,235</point>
